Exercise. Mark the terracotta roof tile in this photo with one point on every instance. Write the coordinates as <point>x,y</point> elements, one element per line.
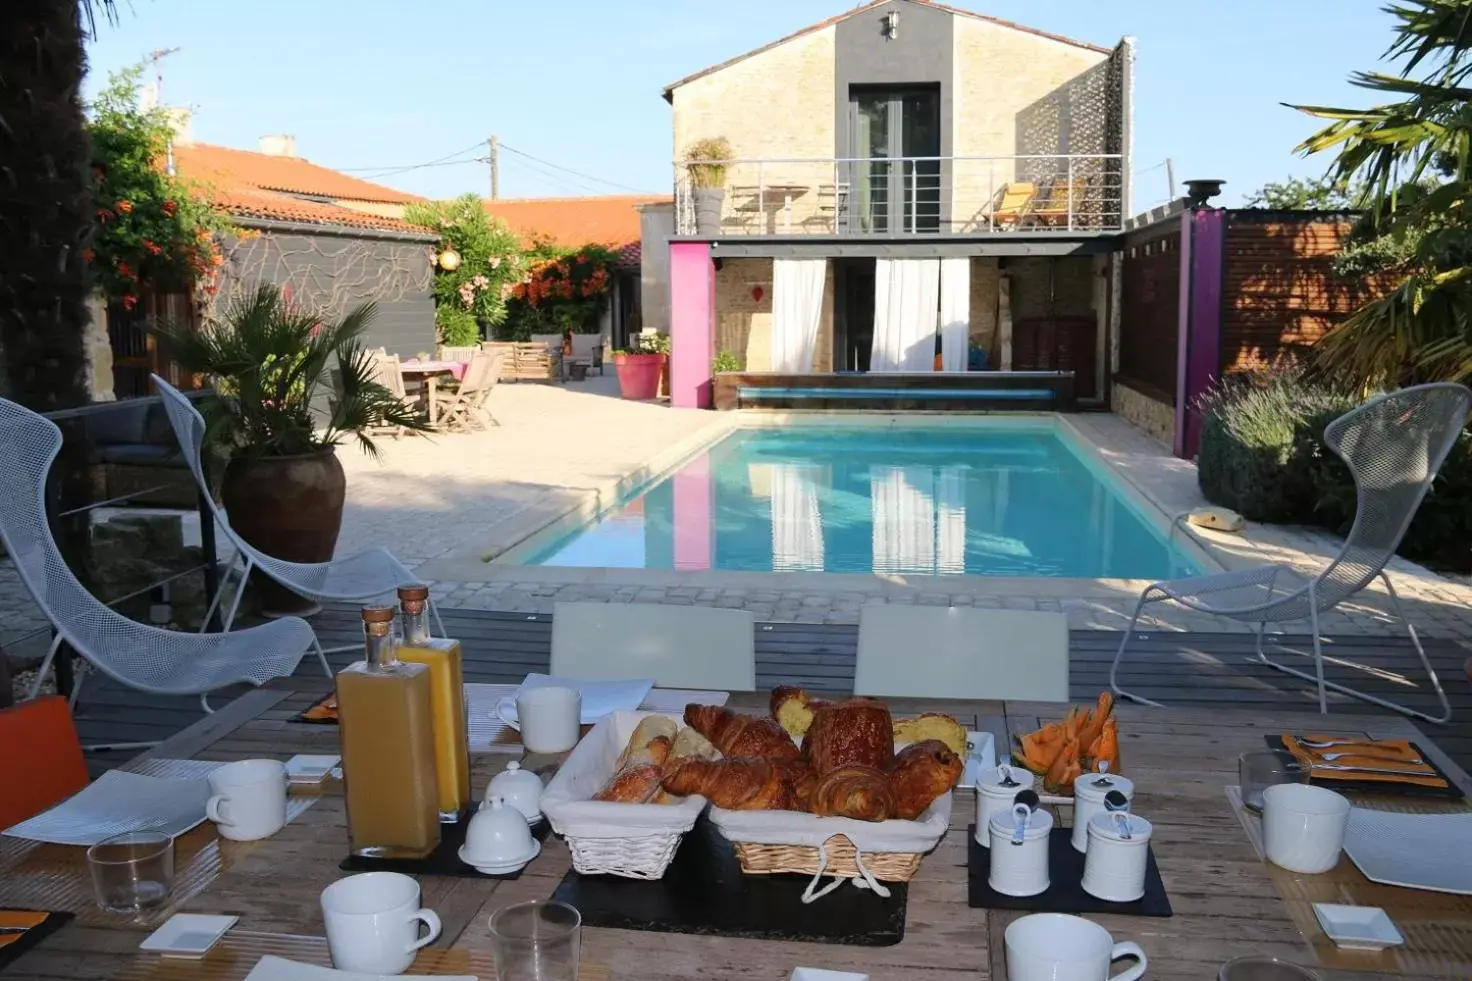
<point>611,220</point>
<point>812,28</point>
<point>294,175</point>
<point>253,202</point>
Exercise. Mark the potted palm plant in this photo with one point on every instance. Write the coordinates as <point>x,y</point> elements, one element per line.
<point>706,162</point>
<point>272,423</point>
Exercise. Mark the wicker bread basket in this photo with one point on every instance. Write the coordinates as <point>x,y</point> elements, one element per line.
<point>773,859</point>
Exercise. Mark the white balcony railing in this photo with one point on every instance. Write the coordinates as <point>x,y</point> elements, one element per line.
<point>907,196</point>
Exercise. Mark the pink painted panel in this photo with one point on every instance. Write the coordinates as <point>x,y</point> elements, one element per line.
<point>694,497</point>
<point>692,324</point>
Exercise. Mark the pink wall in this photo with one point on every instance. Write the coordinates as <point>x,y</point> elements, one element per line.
<point>692,324</point>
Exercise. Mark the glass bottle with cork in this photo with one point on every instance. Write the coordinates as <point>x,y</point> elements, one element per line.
<point>447,697</point>
<point>386,727</point>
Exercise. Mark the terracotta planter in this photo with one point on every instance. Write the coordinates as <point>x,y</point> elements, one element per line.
<point>638,374</point>
<point>289,507</point>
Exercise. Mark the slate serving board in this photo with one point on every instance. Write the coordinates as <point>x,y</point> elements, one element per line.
<point>444,860</point>
<point>1065,892</point>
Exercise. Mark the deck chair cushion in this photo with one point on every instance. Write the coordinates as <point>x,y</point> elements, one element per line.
<point>42,762</point>
<point>956,652</point>
<point>677,646</point>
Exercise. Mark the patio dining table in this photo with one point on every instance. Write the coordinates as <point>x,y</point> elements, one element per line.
<point>430,372</point>
<point>1227,901</point>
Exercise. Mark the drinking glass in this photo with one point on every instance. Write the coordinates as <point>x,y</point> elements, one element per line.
<point>133,871</point>
<point>536,942</point>
<point>1264,969</point>
<point>1266,768</point>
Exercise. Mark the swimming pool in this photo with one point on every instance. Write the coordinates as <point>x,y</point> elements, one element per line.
<point>1012,498</point>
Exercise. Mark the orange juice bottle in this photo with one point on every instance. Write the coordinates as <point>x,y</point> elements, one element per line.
<point>447,695</point>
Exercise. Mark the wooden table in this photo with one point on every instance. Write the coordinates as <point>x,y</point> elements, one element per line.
<point>430,372</point>
<point>1224,899</point>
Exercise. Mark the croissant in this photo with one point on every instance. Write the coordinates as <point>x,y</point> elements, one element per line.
<point>801,777</point>
<point>859,730</point>
<point>921,772</point>
<point>736,785</point>
<point>741,736</point>
<point>855,791</point>
<point>793,709</point>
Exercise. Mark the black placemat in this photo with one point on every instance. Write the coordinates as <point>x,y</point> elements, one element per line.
<point>444,860</point>
<point>704,892</point>
<point>1065,892</point>
<point>1450,792</point>
<point>32,936</point>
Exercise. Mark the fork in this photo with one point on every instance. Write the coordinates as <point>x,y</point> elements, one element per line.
<point>1326,743</point>
<point>1386,757</point>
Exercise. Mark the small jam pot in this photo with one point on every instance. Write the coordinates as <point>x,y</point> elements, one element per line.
<point>520,789</point>
<point>1119,850</point>
<point>1088,800</point>
<point>995,790</point>
<point>1020,869</point>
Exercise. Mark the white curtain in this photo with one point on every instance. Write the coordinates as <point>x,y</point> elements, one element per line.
<point>955,312</point>
<point>797,525</point>
<point>904,519</point>
<point>906,297</point>
<point>797,307</point>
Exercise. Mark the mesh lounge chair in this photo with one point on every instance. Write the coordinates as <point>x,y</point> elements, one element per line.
<point>1394,445</point>
<point>356,578</point>
<point>166,662</point>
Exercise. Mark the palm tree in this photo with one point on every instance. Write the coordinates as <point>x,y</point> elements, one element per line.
<point>46,212</point>
<point>1414,154</point>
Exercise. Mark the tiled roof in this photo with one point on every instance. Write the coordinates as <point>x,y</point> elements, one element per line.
<point>812,28</point>
<point>294,175</point>
<point>253,202</point>
<point>611,220</point>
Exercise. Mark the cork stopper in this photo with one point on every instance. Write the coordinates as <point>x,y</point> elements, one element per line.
<point>378,620</point>
<point>413,599</point>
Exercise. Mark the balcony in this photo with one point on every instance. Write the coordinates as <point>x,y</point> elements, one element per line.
<point>907,197</point>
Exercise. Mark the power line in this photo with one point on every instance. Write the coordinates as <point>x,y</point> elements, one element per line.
<point>569,170</point>
<point>396,169</point>
<point>558,180</point>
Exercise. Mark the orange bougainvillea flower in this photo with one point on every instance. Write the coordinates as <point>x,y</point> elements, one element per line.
<point>125,206</point>
<point>168,208</point>
<point>152,247</point>
<point>126,271</point>
<point>104,215</point>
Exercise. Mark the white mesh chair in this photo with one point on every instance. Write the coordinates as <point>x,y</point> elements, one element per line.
<point>151,659</point>
<point>355,578</point>
<point>1394,444</point>
<point>677,646</point>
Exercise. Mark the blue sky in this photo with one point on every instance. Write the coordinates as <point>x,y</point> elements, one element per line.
<point>393,83</point>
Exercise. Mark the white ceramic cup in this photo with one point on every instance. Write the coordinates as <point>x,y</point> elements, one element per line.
<point>1058,947</point>
<point>248,799</point>
<point>1303,827</point>
<point>373,922</point>
<point>549,719</point>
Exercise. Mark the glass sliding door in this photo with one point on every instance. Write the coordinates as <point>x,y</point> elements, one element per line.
<point>894,136</point>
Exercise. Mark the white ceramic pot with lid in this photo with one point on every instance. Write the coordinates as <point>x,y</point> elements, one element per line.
<point>1019,862</point>
<point>498,840</point>
<point>1088,799</point>
<point>520,789</point>
<point>1119,851</point>
<point>995,791</point>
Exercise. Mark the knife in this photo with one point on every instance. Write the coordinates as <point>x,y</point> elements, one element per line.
<point>1339,767</point>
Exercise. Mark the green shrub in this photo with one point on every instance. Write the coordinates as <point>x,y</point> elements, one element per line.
<point>1260,440</point>
<point>725,361</point>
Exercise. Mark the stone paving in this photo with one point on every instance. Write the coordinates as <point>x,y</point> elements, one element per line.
<point>447,504</point>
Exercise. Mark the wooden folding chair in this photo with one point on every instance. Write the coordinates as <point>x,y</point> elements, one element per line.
<point>1064,199</point>
<point>42,762</point>
<point>468,411</point>
<point>1013,204</point>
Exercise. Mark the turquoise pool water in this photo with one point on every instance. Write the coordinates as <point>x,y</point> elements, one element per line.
<point>1014,500</point>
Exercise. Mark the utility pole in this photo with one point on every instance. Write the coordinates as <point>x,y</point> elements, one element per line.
<point>1170,180</point>
<point>157,57</point>
<point>494,144</point>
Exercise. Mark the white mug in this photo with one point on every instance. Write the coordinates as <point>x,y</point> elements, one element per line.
<point>248,799</point>
<point>549,719</point>
<point>373,922</point>
<point>1058,947</point>
<point>1303,827</point>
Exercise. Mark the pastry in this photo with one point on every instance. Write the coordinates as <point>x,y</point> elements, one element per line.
<point>931,725</point>
<point>920,773</point>
<point>690,743</point>
<point>802,778</point>
<point>793,709</point>
<point>632,785</point>
<point>741,736</point>
<point>736,785</point>
<point>859,730</point>
<point>854,791</point>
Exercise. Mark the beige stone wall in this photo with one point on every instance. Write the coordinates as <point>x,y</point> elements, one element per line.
<point>744,324</point>
<point>1156,419</point>
<point>984,280</point>
<point>776,104</point>
<point>1001,73</point>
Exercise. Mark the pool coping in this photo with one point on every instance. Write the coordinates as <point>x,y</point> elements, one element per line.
<point>494,562</point>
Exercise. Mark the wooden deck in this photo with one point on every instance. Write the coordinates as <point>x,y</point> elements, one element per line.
<point>1179,669</point>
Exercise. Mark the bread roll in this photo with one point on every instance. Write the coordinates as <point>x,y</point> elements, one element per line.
<point>932,725</point>
<point>859,730</point>
<point>921,772</point>
<point>649,729</point>
<point>793,709</point>
<point>631,785</point>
